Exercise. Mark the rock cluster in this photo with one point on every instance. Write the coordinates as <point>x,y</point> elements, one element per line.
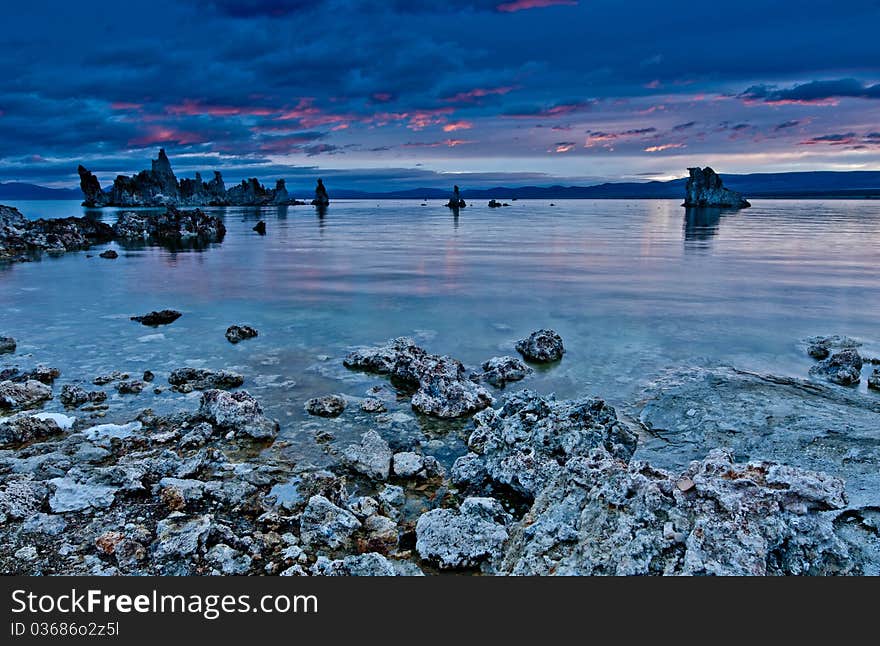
<point>705,189</point>
<point>844,367</point>
<point>441,384</point>
<point>237,333</point>
<point>189,379</point>
<point>542,346</point>
<point>172,226</point>
<point>19,236</point>
<point>160,187</point>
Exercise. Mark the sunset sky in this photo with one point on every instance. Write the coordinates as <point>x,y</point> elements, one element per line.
<point>399,94</point>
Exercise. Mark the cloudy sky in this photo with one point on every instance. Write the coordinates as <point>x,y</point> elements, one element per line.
<point>406,93</point>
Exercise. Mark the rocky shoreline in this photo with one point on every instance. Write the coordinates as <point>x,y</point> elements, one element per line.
<point>21,239</point>
<point>544,486</point>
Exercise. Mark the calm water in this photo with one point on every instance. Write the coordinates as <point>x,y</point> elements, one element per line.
<point>633,287</point>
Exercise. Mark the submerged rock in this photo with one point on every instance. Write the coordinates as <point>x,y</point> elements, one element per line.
<point>201,379</point>
<point>542,346</point>
<point>791,421</point>
<point>820,347</point>
<point>705,189</point>
<point>844,368</point>
<point>18,396</point>
<point>525,443</point>
<point>442,387</point>
<point>110,254</point>
<point>7,344</point>
<point>238,412</point>
<point>237,333</point>
<point>326,406</point>
<point>600,515</point>
<point>162,317</point>
<point>500,371</point>
<point>463,538</point>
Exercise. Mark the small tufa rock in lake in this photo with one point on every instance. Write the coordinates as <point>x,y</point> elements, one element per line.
<point>201,379</point>
<point>326,406</point>
<point>237,333</point>
<point>874,379</point>
<point>704,188</point>
<point>73,396</point>
<point>162,317</point>
<point>238,412</point>
<point>110,254</point>
<point>843,368</point>
<point>260,228</point>
<point>542,346</point>
<point>500,371</point>
<point>7,344</point>
<point>442,387</point>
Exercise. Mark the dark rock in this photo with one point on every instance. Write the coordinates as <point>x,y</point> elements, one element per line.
<point>542,346</point>
<point>148,376</point>
<point>820,347</point>
<point>494,204</point>
<point>25,428</point>
<point>43,374</point>
<point>236,333</point>
<point>7,344</point>
<point>200,379</point>
<point>844,368</point>
<point>705,189</point>
<point>163,317</point>
<point>173,226</point>
<point>73,396</point>
<point>103,380</point>
<point>500,371</point>
<point>442,387</point>
<point>133,387</point>
<point>326,406</point>
<point>19,235</point>
<point>14,396</point>
<point>110,254</point>
<point>874,379</point>
<point>373,405</point>
<point>260,228</point>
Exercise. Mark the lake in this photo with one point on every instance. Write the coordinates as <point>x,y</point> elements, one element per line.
<point>635,287</point>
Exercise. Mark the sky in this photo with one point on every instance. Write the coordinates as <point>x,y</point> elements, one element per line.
<point>402,94</point>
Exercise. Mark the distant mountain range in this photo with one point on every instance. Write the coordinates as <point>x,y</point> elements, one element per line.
<point>809,184</point>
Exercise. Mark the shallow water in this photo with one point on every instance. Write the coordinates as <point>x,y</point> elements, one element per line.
<point>634,288</point>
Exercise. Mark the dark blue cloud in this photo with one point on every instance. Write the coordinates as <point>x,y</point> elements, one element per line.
<point>813,92</point>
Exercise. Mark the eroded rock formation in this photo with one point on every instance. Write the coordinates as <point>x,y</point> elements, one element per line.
<point>704,188</point>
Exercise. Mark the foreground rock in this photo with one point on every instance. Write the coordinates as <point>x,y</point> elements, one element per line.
<point>441,383</point>
<point>465,537</point>
<point>820,347</point>
<point>162,317</point>
<point>188,379</point>
<point>18,235</point>
<point>602,516</point>
<point>844,368</point>
<point>238,412</point>
<point>542,346</point>
<point>73,396</point>
<point>527,442</point>
<point>173,226</point>
<point>705,189</point>
<point>238,333</point>
<point>372,457</point>
<point>26,428</point>
<point>19,396</point>
<point>791,421</point>
<point>159,186</point>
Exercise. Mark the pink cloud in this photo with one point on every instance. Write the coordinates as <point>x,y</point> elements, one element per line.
<point>563,147</point>
<point>123,105</point>
<point>662,147</point>
<point>160,135</point>
<point>458,125</point>
<point>195,108</point>
<point>522,5</point>
<point>474,95</point>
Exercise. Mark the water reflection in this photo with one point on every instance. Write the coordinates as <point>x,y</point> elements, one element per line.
<point>700,226</point>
